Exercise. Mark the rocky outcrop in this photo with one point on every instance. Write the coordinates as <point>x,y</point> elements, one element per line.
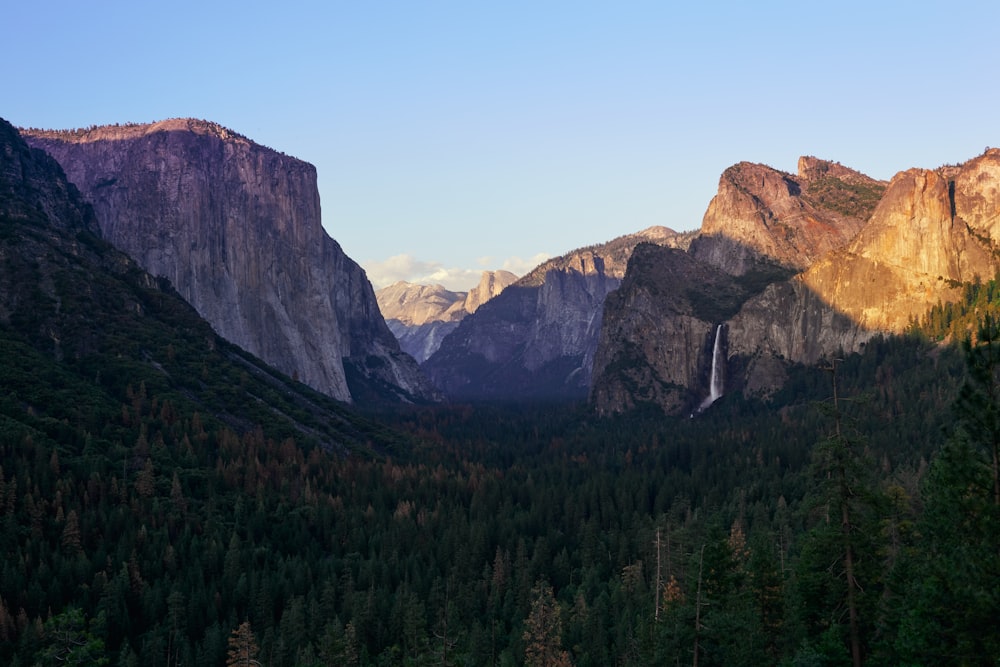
<point>491,284</point>
<point>84,330</point>
<point>655,345</point>
<point>236,229</point>
<point>930,231</point>
<point>764,216</point>
<point>413,304</point>
<point>420,316</point>
<point>787,322</point>
<point>762,227</point>
<point>537,339</point>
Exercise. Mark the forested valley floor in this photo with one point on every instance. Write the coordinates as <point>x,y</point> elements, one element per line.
<point>853,518</point>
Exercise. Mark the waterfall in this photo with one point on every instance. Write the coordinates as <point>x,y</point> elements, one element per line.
<point>715,381</point>
<point>715,386</point>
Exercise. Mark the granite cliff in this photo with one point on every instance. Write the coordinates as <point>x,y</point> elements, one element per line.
<point>932,231</point>
<point>860,258</point>
<point>236,229</point>
<point>420,316</point>
<point>85,331</point>
<point>537,339</point>
<point>764,216</point>
<point>658,331</point>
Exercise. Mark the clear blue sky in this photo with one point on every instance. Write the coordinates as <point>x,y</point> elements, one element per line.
<point>450,137</point>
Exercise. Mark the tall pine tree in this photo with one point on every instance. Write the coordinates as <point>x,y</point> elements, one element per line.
<point>952,598</point>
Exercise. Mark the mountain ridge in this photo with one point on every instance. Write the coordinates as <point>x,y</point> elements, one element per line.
<point>84,330</point>
<point>538,337</point>
<point>236,229</point>
<point>929,232</point>
<point>421,316</point>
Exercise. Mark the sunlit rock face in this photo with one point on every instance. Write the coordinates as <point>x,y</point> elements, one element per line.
<point>932,230</point>
<point>861,257</point>
<point>236,228</point>
<point>760,214</point>
<point>420,316</point>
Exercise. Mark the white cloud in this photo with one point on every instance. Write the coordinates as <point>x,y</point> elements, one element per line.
<point>412,270</point>
<point>408,268</point>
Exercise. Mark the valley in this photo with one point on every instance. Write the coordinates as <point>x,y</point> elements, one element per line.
<point>760,443</point>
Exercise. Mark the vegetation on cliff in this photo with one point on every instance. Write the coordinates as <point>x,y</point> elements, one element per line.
<point>853,199</point>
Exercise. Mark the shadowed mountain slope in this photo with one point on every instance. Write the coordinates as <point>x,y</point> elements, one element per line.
<point>236,229</point>
<point>88,340</point>
<point>537,339</point>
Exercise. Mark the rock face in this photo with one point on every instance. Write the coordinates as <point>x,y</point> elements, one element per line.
<point>420,316</point>
<point>922,236</point>
<point>737,282</point>
<point>659,330</point>
<point>537,339</point>
<point>761,215</point>
<point>82,326</point>
<point>491,284</point>
<point>236,229</point>
<point>931,231</point>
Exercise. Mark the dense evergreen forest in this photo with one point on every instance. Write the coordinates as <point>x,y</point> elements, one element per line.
<point>822,527</point>
<point>167,499</point>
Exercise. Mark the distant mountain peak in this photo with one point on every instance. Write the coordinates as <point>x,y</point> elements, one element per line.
<point>420,316</point>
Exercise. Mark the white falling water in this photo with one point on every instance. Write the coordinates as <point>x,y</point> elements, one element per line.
<point>715,382</point>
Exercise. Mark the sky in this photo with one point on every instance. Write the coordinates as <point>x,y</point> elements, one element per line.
<point>455,137</point>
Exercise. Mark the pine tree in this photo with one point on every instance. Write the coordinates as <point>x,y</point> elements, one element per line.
<point>243,648</point>
<point>67,641</point>
<point>543,631</point>
<point>837,586</point>
<point>952,593</point>
<point>71,534</point>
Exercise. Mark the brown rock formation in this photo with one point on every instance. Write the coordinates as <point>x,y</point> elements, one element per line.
<point>491,283</point>
<point>763,215</point>
<point>931,231</point>
<point>236,228</point>
<point>414,305</point>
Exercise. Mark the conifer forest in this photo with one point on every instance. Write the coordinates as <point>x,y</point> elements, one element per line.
<point>852,519</point>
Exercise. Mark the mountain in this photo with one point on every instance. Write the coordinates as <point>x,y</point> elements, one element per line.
<point>235,227</point>
<point>538,337</point>
<point>932,231</point>
<point>762,215</point>
<point>819,264</point>
<point>420,316</point>
<point>95,351</point>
